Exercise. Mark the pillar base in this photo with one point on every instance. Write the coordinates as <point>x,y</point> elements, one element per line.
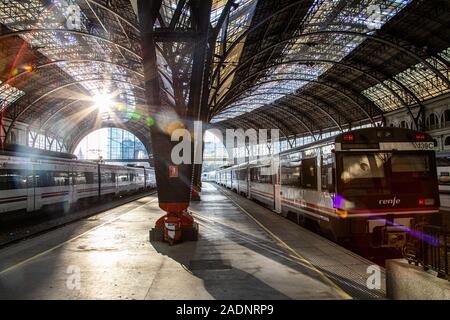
<point>195,195</point>
<point>175,227</point>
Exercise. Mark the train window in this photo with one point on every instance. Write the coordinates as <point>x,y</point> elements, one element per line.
<point>106,177</point>
<point>291,174</point>
<point>363,166</point>
<point>410,163</point>
<point>261,175</point>
<point>79,178</point>
<point>12,179</point>
<point>309,173</point>
<point>52,179</point>
<point>132,175</point>
<point>60,178</point>
<point>254,174</point>
<point>113,177</point>
<point>327,172</point>
<point>44,179</point>
<point>89,177</point>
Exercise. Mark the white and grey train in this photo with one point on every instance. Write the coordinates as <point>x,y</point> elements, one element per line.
<point>370,185</point>
<point>32,183</point>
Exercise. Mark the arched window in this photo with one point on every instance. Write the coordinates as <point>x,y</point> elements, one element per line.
<point>436,143</point>
<point>403,124</point>
<point>446,118</point>
<point>111,144</point>
<point>447,141</point>
<point>419,123</point>
<point>432,122</point>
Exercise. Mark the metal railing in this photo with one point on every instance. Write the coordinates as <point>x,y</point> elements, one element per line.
<point>429,246</point>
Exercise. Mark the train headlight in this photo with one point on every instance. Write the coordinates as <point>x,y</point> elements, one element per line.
<point>342,213</point>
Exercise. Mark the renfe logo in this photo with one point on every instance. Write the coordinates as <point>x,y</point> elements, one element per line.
<point>392,202</point>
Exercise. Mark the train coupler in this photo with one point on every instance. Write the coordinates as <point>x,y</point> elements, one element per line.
<point>175,227</point>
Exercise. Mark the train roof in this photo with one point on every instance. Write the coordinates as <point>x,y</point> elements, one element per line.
<point>23,158</point>
<point>380,134</point>
<point>27,152</point>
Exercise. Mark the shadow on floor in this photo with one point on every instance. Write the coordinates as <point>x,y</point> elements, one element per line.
<point>221,280</point>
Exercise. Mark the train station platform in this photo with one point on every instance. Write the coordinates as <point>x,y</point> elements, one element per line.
<point>244,251</point>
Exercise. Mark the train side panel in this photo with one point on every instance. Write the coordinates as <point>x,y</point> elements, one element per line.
<point>85,181</point>
<point>52,184</point>
<point>16,188</point>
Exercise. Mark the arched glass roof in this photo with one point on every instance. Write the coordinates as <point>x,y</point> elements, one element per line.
<point>301,65</point>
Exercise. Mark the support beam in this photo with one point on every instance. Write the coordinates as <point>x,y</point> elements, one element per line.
<point>173,179</point>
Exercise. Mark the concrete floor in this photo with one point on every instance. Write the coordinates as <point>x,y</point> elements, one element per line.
<point>110,257</point>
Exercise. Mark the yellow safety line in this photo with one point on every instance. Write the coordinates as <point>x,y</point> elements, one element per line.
<point>339,290</point>
<point>72,239</point>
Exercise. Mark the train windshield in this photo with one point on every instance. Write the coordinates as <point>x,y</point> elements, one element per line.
<point>386,173</point>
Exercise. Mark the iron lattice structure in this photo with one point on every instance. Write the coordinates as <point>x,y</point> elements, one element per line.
<point>304,67</point>
<point>71,63</point>
<point>309,67</point>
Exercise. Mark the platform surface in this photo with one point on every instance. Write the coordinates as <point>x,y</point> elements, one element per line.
<point>110,257</point>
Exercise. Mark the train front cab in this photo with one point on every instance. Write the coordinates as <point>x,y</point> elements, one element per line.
<point>386,183</point>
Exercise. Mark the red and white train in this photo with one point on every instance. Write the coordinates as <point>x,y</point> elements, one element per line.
<point>369,185</point>
<point>33,182</point>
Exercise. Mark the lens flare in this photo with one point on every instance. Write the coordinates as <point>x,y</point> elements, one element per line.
<point>415,233</point>
<point>103,102</point>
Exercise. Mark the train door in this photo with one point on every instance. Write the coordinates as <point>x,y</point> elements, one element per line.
<point>38,183</point>
<point>277,197</point>
<point>73,185</point>
<point>31,186</point>
<point>276,187</point>
<point>237,173</point>
<point>145,178</point>
<point>249,181</point>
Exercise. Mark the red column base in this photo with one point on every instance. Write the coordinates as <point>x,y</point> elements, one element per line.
<point>195,196</point>
<point>175,227</point>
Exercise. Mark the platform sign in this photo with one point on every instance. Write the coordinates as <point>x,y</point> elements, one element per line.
<point>173,171</point>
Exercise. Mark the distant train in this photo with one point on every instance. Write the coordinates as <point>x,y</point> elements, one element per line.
<point>31,183</point>
<point>367,186</point>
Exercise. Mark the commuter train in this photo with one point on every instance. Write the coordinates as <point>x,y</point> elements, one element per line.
<point>33,182</point>
<point>443,171</point>
<point>369,186</point>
